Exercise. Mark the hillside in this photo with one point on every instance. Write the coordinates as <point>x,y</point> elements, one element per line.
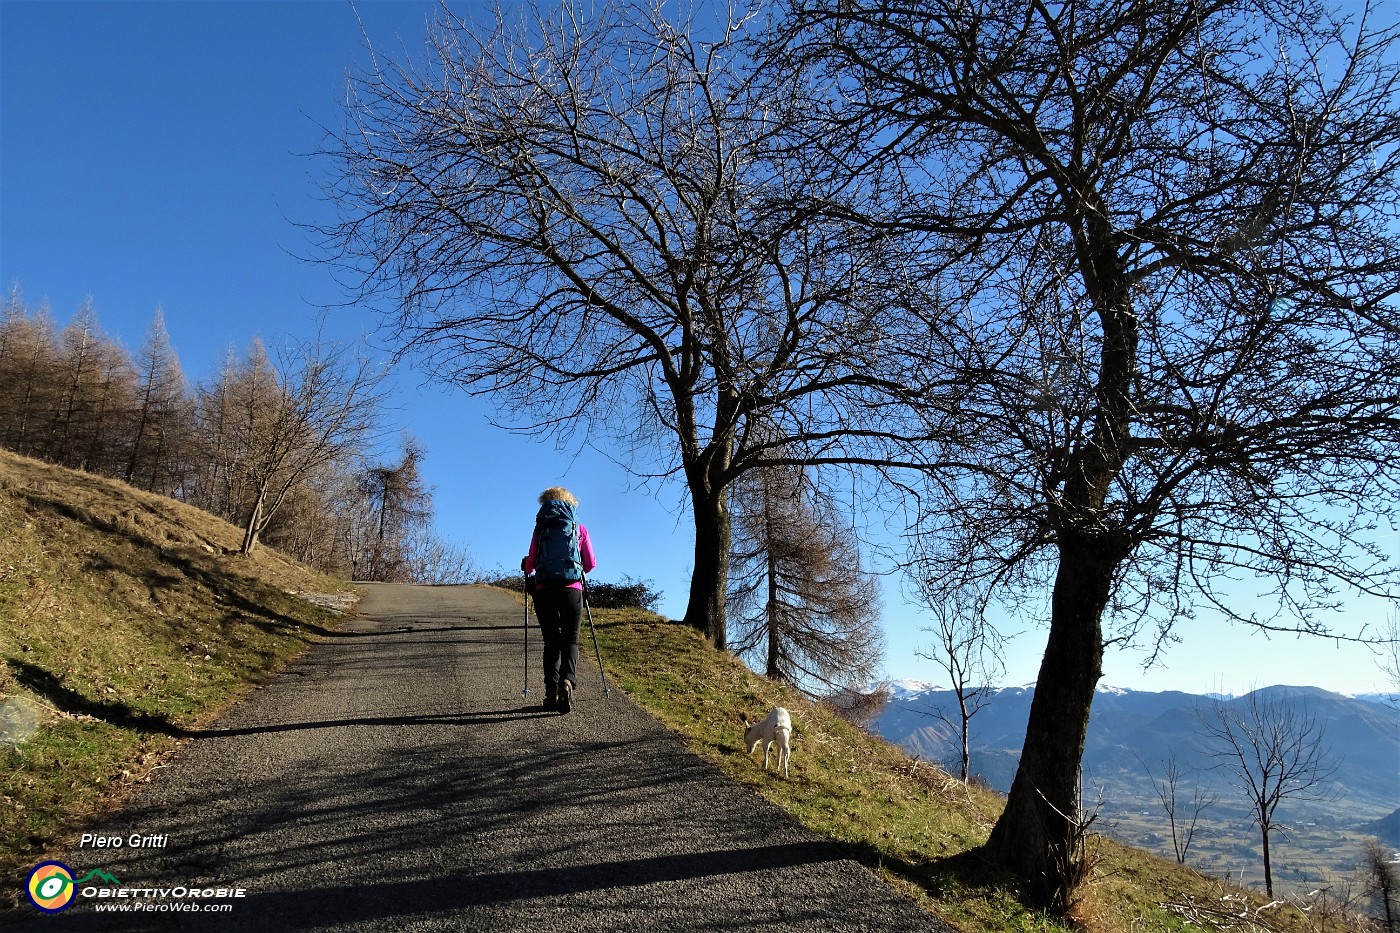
<point>129,621</point>
<point>125,619</point>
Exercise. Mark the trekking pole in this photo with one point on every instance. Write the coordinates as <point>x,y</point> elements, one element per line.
<point>526,590</point>
<point>589,609</point>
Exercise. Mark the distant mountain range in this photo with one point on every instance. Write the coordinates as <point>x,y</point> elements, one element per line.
<point>1132,732</point>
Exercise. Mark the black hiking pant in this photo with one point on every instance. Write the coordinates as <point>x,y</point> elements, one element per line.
<point>560,611</point>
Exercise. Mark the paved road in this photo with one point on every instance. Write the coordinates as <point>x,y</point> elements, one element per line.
<point>394,779</point>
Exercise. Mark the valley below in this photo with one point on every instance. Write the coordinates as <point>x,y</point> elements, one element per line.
<point>1317,841</point>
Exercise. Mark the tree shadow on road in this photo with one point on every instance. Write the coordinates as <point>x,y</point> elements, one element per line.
<point>532,711</point>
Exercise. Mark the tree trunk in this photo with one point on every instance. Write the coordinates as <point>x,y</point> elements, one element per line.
<point>966,737</point>
<point>1038,833</point>
<point>710,579</point>
<point>773,669</point>
<point>138,435</point>
<point>253,529</point>
<point>1268,862</point>
<point>1035,836</point>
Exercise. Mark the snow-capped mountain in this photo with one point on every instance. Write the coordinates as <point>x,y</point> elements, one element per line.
<point>1130,727</point>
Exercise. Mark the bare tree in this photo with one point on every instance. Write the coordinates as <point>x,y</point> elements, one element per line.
<point>969,651</point>
<point>1182,819</point>
<point>328,411</point>
<point>269,433</point>
<point>1382,876</point>
<point>1276,750</point>
<point>803,608</point>
<point>310,524</point>
<point>583,210</point>
<point>1390,658</point>
<point>1158,241</point>
<point>431,558</point>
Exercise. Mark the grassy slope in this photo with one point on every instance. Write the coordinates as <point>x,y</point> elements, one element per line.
<point>125,619</point>
<point>909,820</point>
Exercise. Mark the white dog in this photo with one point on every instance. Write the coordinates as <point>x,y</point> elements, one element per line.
<point>777,728</point>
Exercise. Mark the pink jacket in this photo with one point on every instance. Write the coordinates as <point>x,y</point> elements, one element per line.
<point>585,550</point>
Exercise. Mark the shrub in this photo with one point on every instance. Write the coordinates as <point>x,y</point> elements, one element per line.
<point>629,594</point>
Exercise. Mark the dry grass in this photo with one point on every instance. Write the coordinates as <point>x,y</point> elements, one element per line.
<point>126,619</point>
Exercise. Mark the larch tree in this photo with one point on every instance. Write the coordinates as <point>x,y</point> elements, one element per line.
<point>29,375</point>
<point>88,423</point>
<point>232,408</point>
<point>163,418</point>
<point>398,504</point>
<point>804,611</point>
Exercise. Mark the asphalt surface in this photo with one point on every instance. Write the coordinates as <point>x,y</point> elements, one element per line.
<point>395,779</point>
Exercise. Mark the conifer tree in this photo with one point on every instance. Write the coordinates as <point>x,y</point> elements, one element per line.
<point>29,373</point>
<point>162,417</point>
<point>88,424</point>
<point>803,609</point>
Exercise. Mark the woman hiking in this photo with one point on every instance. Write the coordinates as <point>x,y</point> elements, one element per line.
<point>560,555</point>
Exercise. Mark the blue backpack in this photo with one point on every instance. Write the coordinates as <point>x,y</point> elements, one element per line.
<point>557,557</point>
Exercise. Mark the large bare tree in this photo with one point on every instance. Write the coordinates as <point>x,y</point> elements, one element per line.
<point>1159,242</point>
<point>582,209</point>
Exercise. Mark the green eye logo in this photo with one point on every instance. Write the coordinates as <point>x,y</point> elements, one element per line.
<point>53,886</point>
<point>50,887</point>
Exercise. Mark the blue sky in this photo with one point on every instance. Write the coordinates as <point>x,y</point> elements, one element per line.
<point>161,154</point>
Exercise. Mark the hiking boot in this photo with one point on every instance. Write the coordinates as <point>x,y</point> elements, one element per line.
<point>551,703</point>
<point>566,696</point>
